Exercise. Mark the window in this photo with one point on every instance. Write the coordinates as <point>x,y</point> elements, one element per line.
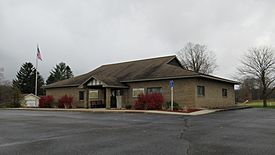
<point>93,94</point>
<point>154,90</point>
<point>201,91</point>
<point>137,91</point>
<point>81,95</point>
<point>224,92</point>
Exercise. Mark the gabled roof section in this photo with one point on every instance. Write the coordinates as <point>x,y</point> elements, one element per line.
<point>72,82</point>
<point>116,75</point>
<point>32,95</point>
<point>141,69</point>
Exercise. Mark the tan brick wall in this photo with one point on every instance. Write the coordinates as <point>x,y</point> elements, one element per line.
<point>125,97</point>
<point>57,93</point>
<point>184,90</point>
<point>213,94</point>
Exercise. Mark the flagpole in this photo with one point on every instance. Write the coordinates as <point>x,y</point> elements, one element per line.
<point>36,67</point>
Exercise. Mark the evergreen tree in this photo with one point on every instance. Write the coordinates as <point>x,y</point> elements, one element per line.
<point>60,72</point>
<point>25,79</point>
<point>68,72</point>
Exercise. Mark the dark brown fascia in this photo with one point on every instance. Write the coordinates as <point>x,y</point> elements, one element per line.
<point>110,86</point>
<point>219,79</point>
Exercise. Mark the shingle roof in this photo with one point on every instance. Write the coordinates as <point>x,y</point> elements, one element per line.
<point>140,70</point>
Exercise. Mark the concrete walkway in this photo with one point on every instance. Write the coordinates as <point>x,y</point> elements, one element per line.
<point>103,110</point>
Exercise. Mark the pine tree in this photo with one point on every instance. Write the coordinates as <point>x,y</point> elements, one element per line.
<point>68,72</point>
<point>25,79</point>
<point>60,72</point>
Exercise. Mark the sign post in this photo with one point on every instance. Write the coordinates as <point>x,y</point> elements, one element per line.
<point>172,94</point>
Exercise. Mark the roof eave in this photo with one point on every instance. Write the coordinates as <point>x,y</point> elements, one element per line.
<point>182,77</point>
<point>219,79</point>
<point>60,86</point>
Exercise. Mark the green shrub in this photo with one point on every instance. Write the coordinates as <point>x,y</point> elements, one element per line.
<point>128,106</point>
<point>176,106</point>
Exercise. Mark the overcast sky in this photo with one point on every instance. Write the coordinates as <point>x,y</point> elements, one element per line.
<point>88,33</point>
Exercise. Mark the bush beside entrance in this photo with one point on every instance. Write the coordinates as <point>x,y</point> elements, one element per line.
<point>152,101</point>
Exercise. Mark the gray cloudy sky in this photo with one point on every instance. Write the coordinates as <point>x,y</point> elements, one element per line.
<point>88,33</point>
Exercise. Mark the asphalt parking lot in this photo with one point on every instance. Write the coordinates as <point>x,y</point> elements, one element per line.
<point>248,131</point>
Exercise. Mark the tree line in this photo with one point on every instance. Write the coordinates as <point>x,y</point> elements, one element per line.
<point>25,77</point>
<point>24,83</point>
<point>256,72</point>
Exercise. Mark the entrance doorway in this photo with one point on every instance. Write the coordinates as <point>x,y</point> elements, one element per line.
<point>116,98</point>
<point>113,99</point>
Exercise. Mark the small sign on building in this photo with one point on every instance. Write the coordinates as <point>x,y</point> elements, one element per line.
<point>172,83</point>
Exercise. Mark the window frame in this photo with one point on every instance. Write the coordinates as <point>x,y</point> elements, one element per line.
<point>199,93</point>
<point>137,89</point>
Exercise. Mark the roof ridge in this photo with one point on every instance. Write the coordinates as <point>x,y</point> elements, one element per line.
<point>69,79</point>
<point>146,59</point>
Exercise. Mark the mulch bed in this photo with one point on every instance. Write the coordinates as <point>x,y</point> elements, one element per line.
<point>184,111</point>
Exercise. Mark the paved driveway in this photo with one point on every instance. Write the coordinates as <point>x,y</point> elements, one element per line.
<point>250,131</point>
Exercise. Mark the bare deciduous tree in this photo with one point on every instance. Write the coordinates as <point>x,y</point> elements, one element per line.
<point>259,63</point>
<point>1,75</point>
<point>197,58</point>
<point>249,89</point>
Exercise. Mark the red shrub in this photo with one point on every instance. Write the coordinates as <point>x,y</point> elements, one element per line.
<point>154,101</point>
<point>45,101</point>
<point>60,104</point>
<point>140,102</point>
<point>149,101</point>
<point>42,102</point>
<point>65,102</point>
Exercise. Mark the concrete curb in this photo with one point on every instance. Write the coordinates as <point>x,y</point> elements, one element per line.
<point>234,108</point>
<point>196,113</point>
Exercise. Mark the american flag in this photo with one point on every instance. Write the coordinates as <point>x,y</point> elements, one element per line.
<point>38,54</point>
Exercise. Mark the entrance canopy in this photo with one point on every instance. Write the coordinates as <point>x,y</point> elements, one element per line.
<point>105,82</point>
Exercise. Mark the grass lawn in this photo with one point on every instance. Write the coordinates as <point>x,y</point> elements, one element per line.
<point>6,105</point>
<point>259,104</point>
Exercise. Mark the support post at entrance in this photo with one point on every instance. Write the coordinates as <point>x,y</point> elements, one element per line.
<point>87,105</point>
<point>108,98</point>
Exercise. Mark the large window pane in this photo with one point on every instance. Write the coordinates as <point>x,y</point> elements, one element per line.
<point>200,91</point>
<point>224,92</point>
<point>137,91</point>
<point>81,95</point>
<point>154,90</point>
<point>93,94</point>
